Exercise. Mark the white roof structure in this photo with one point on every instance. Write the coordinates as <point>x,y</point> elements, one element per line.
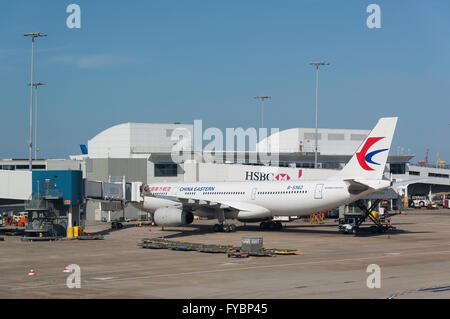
<point>330,141</point>
<point>137,140</point>
<point>140,140</point>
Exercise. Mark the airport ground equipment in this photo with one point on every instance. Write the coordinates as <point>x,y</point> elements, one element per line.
<point>350,223</point>
<point>447,203</point>
<point>22,221</point>
<point>271,225</point>
<point>78,231</point>
<point>89,237</point>
<point>418,201</point>
<point>51,238</point>
<point>231,251</point>
<point>252,244</point>
<point>7,220</point>
<point>116,225</point>
<point>238,255</point>
<point>317,218</point>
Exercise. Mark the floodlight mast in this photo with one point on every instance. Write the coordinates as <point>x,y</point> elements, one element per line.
<point>36,84</point>
<point>262,98</point>
<point>30,142</point>
<point>317,64</point>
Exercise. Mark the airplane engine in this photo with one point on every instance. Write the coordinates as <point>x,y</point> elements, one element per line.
<point>170,216</point>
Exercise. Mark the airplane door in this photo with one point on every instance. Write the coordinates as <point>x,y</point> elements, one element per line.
<point>254,193</point>
<point>318,191</point>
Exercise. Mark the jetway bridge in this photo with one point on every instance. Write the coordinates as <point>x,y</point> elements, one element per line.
<point>15,186</point>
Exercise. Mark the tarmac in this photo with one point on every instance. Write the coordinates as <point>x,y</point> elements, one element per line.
<point>414,262</point>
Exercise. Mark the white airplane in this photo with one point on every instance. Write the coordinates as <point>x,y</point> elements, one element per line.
<point>175,204</point>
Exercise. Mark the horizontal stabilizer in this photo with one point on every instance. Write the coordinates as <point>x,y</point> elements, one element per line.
<point>358,186</point>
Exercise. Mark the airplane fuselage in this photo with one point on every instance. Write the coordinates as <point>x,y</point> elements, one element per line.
<point>259,199</point>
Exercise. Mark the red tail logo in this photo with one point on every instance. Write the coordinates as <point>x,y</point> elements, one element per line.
<point>364,158</point>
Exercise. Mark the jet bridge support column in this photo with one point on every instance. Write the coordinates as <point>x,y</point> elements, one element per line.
<point>69,223</point>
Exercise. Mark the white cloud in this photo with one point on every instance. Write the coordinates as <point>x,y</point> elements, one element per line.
<point>96,61</point>
<point>62,59</point>
<point>92,61</point>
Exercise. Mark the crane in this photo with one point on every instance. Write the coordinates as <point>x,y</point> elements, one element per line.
<point>425,161</point>
<point>439,162</point>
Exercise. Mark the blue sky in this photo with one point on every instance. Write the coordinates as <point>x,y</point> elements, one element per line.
<point>168,61</point>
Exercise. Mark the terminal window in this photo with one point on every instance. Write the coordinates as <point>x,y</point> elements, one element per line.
<point>305,165</point>
<point>398,168</point>
<point>331,165</point>
<point>166,169</point>
<point>357,137</point>
<point>312,136</point>
<point>414,173</point>
<point>28,166</point>
<point>8,167</point>
<point>336,137</point>
<point>438,175</point>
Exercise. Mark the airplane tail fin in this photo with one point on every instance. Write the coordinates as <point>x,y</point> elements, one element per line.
<point>370,158</point>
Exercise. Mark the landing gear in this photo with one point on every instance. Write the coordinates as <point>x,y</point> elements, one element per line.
<point>226,228</point>
<point>223,226</point>
<point>271,225</point>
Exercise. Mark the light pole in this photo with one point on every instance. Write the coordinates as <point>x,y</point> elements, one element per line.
<point>317,64</point>
<point>262,98</point>
<point>36,84</point>
<point>30,142</point>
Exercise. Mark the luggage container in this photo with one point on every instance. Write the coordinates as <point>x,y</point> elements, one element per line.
<point>252,244</point>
